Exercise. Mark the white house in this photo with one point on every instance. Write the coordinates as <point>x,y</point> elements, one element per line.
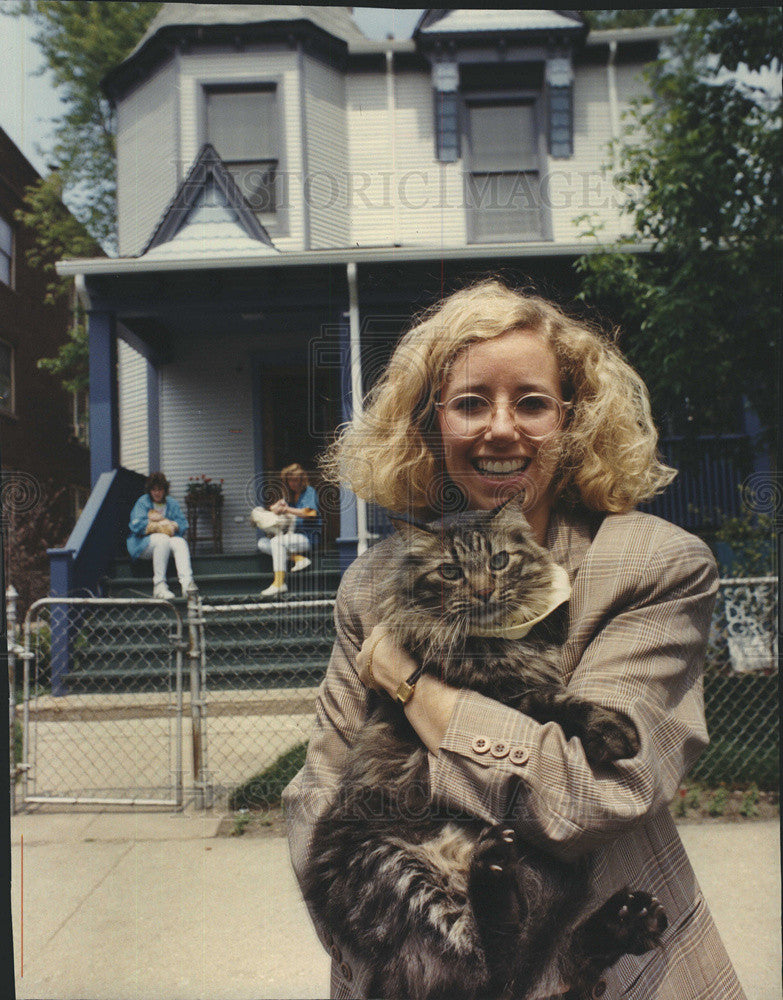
<point>290,192</point>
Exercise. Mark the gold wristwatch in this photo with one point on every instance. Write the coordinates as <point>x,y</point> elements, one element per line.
<point>404,692</point>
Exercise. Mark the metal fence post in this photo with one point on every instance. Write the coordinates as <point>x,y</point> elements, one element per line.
<point>196,704</point>
<point>11,597</point>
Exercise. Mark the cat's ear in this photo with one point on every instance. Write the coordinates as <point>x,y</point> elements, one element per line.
<point>510,509</point>
<point>410,527</point>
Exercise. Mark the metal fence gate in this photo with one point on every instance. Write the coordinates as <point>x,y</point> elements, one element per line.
<point>101,693</point>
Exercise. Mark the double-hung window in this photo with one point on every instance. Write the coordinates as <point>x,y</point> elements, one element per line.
<point>243,126</point>
<point>502,160</point>
<point>6,251</point>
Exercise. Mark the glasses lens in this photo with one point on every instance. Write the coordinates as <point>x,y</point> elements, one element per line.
<point>535,415</point>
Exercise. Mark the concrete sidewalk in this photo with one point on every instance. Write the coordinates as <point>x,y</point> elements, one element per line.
<point>119,906</point>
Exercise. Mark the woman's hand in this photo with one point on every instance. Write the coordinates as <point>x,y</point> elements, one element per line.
<point>382,665</point>
<point>279,507</point>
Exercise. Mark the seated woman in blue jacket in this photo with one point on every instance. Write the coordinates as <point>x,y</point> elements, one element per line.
<point>300,500</point>
<point>157,530</point>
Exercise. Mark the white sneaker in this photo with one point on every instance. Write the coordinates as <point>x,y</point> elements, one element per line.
<point>301,564</point>
<point>274,589</point>
<point>186,587</point>
<point>162,592</point>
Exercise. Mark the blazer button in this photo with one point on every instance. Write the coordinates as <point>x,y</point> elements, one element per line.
<point>500,749</point>
<point>519,755</point>
<point>336,954</point>
<point>346,972</point>
<point>480,744</point>
<point>599,989</point>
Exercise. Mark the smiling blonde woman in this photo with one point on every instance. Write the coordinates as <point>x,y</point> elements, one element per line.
<point>450,425</point>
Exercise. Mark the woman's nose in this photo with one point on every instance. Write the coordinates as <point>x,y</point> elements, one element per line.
<point>501,423</point>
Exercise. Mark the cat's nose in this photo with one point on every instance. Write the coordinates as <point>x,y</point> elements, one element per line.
<point>483,593</point>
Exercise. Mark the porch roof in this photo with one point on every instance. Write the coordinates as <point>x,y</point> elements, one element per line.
<point>340,255</point>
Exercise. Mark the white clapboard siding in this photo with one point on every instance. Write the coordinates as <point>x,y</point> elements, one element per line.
<point>398,191</point>
<point>146,157</point>
<point>206,428</point>
<point>132,386</point>
<point>253,65</point>
<point>326,155</point>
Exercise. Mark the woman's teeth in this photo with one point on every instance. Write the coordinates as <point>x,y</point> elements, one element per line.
<point>505,468</point>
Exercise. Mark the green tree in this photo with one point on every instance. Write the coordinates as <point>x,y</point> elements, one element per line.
<point>80,42</point>
<point>699,166</point>
<point>628,18</point>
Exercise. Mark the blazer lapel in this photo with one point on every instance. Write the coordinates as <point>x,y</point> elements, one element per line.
<point>569,535</point>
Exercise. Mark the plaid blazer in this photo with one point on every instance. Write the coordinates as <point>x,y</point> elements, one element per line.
<point>639,614</point>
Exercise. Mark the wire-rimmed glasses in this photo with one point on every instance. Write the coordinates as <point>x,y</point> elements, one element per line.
<point>535,414</point>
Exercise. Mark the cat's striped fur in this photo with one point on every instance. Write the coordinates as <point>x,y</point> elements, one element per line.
<point>447,907</point>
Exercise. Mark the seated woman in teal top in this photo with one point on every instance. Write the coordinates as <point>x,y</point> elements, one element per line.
<point>157,529</point>
<point>301,500</point>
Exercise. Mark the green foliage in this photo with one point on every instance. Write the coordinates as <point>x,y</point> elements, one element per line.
<point>750,802</point>
<point>81,42</point>
<point>628,18</point>
<point>718,802</point>
<point>265,788</point>
<point>71,363</point>
<point>751,539</point>
<point>699,165</point>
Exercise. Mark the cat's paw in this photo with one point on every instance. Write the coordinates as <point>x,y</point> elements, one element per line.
<point>609,736</point>
<point>634,921</point>
<point>495,852</point>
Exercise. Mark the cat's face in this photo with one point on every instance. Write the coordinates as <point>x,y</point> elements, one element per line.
<point>471,570</point>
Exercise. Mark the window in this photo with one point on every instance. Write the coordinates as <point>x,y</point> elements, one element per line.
<point>242,125</point>
<point>6,251</point>
<point>6,377</point>
<point>561,121</point>
<point>503,164</point>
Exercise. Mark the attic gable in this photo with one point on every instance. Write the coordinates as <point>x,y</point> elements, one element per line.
<point>208,215</point>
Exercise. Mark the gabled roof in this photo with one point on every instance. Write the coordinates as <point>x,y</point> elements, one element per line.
<point>208,216</point>
<point>467,20</point>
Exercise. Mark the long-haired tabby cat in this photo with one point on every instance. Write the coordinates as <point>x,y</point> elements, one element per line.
<point>444,906</point>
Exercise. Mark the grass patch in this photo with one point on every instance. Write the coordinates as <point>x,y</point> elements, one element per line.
<point>264,789</point>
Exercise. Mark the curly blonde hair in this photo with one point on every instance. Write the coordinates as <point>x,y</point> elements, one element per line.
<point>607,454</point>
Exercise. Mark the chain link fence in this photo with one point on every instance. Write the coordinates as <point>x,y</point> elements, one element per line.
<point>131,701</point>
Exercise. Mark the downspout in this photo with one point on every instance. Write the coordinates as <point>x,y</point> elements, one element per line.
<point>391,110</point>
<point>306,242</point>
<point>355,360</point>
<point>611,77</point>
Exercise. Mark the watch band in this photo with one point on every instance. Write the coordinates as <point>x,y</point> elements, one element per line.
<point>404,692</point>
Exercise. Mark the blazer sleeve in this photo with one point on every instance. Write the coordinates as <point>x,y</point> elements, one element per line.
<point>340,712</point>
<point>138,516</point>
<point>640,651</point>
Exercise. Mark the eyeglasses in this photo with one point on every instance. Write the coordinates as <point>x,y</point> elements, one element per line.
<point>535,414</point>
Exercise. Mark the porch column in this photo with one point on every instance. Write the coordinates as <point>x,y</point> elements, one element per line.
<point>354,535</point>
<point>104,409</point>
<point>153,417</point>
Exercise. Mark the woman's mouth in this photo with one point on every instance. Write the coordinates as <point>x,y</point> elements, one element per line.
<point>500,467</point>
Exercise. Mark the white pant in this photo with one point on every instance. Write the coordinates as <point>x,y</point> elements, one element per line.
<point>279,545</point>
<point>160,548</point>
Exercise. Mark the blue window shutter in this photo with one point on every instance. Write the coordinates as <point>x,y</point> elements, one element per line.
<point>561,120</point>
<point>446,126</point>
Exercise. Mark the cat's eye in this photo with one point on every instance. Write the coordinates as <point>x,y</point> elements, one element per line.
<point>499,560</point>
<point>449,571</point>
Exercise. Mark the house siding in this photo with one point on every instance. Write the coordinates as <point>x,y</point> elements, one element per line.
<point>132,388</point>
<point>254,65</point>
<point>201,435</point>
<point>147,167</point>
<point>398,192</point>
<point>326,138</point>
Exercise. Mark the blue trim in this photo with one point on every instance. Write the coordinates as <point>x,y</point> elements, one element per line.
<point>153,418</point>
<point>104,403</point>
<point>348,542</point>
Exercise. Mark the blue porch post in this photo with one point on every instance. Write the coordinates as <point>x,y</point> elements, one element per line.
<point>104,410</point>
<point>348,540</point>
